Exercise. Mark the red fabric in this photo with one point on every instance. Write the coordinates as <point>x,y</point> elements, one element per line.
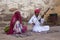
<point>24,29</point>
<point>37,11</point>
<point>15,17</point>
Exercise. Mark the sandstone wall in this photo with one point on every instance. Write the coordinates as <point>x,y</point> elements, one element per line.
<point>7,8</point>
<point>25,6</point>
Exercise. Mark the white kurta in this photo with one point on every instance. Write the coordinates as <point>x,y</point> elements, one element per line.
<point>38,27</point>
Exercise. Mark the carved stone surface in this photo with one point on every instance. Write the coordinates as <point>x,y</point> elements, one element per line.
<point>25,6</point>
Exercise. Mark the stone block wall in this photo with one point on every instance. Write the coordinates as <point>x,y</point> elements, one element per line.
<point>5,19</point>
<point>27,9</point>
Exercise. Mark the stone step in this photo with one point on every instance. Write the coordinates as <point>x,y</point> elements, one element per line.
<point>5,17</point>
<point>3,24</point>
<point>0,18</point>
<point>5,14</point>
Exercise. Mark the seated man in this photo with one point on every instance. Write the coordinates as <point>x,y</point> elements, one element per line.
<point>37,22</point>
<point>16,25</point>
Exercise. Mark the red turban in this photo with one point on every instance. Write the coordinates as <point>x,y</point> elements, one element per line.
<point>37,11</point>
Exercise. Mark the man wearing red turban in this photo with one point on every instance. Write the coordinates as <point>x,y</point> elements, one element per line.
<point>16,25</point>
<point>37,11</point>
<point>37,22</point>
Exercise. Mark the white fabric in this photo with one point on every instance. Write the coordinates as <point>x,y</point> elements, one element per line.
<point>17,27</point>
<point>42,20</point>
<point>38,27</point>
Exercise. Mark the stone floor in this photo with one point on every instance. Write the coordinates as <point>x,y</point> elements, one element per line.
<point>54,34</point>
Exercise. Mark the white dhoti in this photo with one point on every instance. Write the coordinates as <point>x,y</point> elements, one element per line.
<point>40,28</point>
